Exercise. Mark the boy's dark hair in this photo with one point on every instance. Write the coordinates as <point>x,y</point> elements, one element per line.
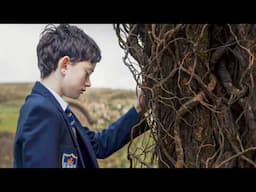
<point>64,40</point>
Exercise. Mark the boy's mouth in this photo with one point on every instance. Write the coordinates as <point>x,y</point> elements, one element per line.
<point>82,90</point>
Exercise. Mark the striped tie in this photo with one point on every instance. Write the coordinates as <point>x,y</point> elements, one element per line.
<point>71,119</point>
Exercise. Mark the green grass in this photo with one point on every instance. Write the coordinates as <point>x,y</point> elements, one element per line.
<point>9,114</point>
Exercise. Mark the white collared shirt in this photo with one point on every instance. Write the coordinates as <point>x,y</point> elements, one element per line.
<point>60,100</point>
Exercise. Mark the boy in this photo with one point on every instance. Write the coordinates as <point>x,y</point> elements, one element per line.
<point>48,134</point>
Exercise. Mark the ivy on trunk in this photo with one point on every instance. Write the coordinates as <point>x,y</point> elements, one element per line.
<point>200,94</point>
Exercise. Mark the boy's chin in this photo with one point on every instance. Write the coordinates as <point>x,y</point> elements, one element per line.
<point>74,96</point>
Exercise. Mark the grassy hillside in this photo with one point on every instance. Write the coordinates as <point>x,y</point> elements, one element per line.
<point>104,106</point>
<point>11,98</point>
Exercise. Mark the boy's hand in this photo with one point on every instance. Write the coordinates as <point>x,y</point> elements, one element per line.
<point>140,102</point>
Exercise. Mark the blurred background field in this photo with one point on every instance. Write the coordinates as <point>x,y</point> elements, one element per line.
<point>104,106</point>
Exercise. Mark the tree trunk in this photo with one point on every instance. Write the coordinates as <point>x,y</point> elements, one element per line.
<point>199,84</point>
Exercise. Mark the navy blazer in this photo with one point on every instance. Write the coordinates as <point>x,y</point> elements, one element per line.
<point>44,139</point>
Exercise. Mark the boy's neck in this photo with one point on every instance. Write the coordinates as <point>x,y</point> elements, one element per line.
<point>53,84</point>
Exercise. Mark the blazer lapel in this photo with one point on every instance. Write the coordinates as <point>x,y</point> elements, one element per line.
<point>87,144</point>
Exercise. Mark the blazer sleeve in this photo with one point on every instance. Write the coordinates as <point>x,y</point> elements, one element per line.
<point>40,136</point>
<point>115,136</point>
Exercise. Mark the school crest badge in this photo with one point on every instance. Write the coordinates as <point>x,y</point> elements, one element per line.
<point>69,160</point>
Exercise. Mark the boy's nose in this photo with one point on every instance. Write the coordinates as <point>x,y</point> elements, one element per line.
<point>88,83</point>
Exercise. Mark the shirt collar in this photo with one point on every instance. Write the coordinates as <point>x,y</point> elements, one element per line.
<point>60,100</point>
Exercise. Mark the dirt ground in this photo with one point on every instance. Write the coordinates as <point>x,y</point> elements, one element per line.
<point>6,149</point>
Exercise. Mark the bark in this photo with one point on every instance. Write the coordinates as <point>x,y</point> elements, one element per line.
<point>200,95</point>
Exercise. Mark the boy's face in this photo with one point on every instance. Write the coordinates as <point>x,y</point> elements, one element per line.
<point>77,78</point>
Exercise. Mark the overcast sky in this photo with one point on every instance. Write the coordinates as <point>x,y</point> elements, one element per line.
<point>19,63</point>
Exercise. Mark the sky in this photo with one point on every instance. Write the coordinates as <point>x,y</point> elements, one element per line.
<point>18,60</point>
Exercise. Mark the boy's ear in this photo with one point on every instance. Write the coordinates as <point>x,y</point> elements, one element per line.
<point>63,63</point>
